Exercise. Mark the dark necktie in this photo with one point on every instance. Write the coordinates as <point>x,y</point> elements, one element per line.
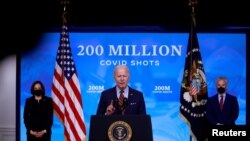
<point>121,97</point>
<point>121,100</point>
<point>221,102</point>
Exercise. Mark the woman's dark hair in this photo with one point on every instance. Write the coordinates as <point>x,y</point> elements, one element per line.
<point>33,85</point>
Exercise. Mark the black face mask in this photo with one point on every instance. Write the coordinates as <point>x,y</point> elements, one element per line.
<point>38,92</point>
<point>221,90</point>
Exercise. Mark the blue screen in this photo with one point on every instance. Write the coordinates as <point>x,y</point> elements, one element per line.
<point>156,63</point>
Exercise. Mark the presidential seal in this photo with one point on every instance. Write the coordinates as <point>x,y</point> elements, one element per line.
<point>119,131</point>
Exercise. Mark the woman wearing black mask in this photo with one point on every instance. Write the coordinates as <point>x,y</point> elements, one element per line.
<point>38,114</point>
<point>222,108</point>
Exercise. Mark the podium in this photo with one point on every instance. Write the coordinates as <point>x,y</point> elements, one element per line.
<point>120,128</point>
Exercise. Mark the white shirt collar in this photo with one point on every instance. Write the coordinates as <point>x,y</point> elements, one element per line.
<point>125,92</point>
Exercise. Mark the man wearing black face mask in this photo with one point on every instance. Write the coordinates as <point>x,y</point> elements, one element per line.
<point>222,108</point>
<point>38,114</point>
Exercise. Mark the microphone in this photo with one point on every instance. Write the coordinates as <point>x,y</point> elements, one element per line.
<point>120,108</point>
<point>125,103</point>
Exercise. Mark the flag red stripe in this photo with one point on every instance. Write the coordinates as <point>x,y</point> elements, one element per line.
<point>58,76</point>
<point>58,94</point>
<point>58,112</point>
<point>66,134</point>
<point>71,126</point>
<point>76,92</point>
<point>76,114</point>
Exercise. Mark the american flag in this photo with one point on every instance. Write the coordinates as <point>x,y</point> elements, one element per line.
<point>66,92</point>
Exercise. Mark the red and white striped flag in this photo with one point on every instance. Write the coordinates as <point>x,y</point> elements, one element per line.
<point>66,92</point>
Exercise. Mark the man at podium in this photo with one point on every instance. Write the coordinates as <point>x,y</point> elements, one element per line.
<point>121,99</point>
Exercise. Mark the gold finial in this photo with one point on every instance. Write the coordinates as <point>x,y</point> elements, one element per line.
<point>192,2</point>
<point>64,3</point>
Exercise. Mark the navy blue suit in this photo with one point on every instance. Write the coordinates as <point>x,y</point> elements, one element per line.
<point>135,103</point>
<point>229,113</point>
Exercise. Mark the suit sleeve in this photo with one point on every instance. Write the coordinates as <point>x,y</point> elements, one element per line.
<point>210,113</point>
<point>27,115</point>
<point>49,114</point>
<point>101,109</point>
<point>142,107</point>
<point>234,112</point>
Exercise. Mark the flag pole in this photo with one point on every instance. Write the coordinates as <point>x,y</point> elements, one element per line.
<point>66,91</point>
<point>192,4</point>
<point>193,96</point>
<point>64,3</point>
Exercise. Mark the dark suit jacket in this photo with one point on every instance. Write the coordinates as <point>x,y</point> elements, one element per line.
<point>228,115</point>
<point>135,105</point>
